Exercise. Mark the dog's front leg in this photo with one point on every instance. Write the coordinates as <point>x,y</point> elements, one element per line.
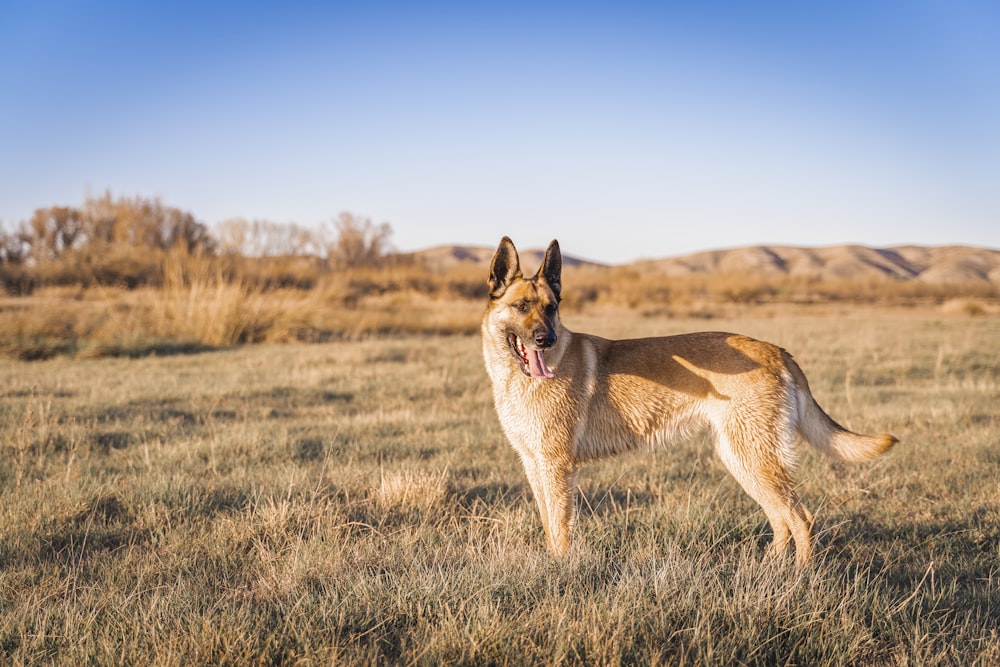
<point>554,488</point>
<point>560,490</point>
<point>534,481</point>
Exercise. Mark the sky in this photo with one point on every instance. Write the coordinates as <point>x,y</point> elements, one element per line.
<point>626,130</point>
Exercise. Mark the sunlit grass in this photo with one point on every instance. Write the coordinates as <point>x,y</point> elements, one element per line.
<point>355,502</point>
<point>202,303</point>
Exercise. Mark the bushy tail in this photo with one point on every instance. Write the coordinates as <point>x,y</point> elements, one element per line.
<point>828,436</point>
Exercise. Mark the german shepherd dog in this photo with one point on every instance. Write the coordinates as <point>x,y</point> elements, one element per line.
<point>565,398</point>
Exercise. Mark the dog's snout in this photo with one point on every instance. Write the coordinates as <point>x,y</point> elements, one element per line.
<point>544,339</point>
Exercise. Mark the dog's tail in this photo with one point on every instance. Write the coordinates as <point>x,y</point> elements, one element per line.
<point>828,436</point>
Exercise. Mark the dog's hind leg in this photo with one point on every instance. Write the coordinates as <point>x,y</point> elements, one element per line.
<point>754,461</point>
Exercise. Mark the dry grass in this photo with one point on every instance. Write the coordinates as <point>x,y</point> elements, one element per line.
<point>355,503</point>
<point>408,490</point>
<point>204,311</point>
<point>202,303</point>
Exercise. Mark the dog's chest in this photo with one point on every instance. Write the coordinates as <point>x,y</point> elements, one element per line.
<point>529,411</point>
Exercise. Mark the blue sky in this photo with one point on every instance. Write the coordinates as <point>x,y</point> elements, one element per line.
<point>624,129</point>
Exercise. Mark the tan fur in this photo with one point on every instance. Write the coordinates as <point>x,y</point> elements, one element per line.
<point>612,396</point>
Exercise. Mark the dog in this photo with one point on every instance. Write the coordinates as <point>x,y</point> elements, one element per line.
<point>565,398</point>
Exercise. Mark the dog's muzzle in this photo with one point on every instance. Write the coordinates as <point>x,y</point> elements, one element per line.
<point>532,361</point>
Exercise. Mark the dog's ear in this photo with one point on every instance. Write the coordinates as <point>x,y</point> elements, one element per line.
<point>551,269</point>
<point>504,268</point>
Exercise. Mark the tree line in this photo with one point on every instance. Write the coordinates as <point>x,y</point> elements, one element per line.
<point>127,241</point>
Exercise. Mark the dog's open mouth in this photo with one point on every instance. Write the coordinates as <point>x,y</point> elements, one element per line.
<point>532,361</point>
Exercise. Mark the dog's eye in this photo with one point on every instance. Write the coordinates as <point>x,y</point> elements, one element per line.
<point>551,308</point>
<point>522,306</point>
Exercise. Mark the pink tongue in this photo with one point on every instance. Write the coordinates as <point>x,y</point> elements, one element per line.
<point>536,365</point>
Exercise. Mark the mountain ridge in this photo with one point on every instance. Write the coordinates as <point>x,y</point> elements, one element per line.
<point>960,264</point>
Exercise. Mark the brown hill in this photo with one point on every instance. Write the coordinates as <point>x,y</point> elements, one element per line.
<point>935,265</point>
<point>445,258</point>
<point>942,264</point>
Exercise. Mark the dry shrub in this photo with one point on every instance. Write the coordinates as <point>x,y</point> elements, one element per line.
<point>218,314</point>
<point>198,303</point>
<point>970,307</point>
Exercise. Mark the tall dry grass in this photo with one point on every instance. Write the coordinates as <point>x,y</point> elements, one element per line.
<point>201,302</point>
<point>193,310</point>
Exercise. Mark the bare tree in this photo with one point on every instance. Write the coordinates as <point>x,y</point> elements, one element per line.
<point>359,242</point>
<point>51,232</point>
<point>15,246</point>
<point>263,238</point>
<point>142,223</point>
<point>233,236</point>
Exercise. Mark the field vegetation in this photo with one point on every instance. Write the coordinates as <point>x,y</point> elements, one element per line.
<point>355,502</point>
<point>132,276</point>
<point>341,493</point>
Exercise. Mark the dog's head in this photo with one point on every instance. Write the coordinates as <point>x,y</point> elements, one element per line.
<point>525,311</point>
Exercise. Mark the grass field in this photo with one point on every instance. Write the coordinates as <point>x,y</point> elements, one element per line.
<point>356,502</point>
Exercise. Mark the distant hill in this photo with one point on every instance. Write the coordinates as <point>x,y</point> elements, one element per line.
<point>941,264</point>
<point>937,264</point>
<point>443,258</point>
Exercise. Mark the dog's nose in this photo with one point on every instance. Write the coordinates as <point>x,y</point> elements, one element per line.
<point>544,339</point>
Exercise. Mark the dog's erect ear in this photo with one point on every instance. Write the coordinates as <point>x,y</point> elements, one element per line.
<point>504,268</point>
<point>551,269</point>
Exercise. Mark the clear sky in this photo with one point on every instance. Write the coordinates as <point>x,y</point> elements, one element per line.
<point>625,129</point>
